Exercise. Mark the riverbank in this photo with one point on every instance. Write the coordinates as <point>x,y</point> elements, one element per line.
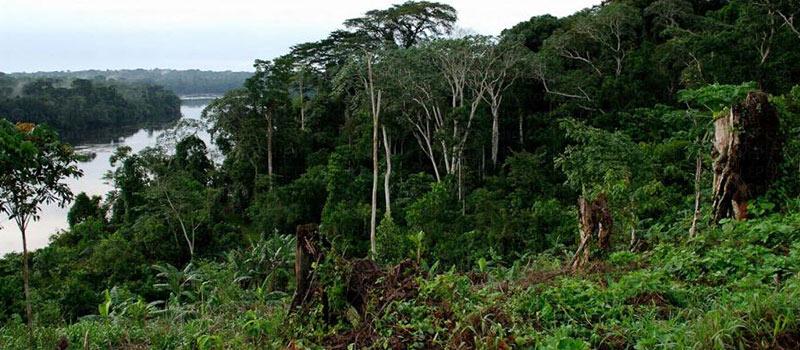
<point>52,218</point>
<point>78,107</point>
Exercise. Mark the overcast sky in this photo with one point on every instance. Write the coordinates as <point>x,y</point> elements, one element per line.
<point>45,35</point>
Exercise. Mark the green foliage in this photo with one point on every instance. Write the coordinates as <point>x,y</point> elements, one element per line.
<point>181,82</point>
<point>602,162</point>
<point>85,208</point>
<point>287,206</point>
<point>534,32</point>
<point>715,98</point>
<point>76,108</point>
<point>34,165</point>
<point>614,100</point>
<point>716,291</point>
<point>105,307</point>
<point>406,24</point>
<point>394,243</point>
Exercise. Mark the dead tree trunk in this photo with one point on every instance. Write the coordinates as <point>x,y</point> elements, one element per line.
<point>595,220</point>
<point>387,195</point>
<point>747,152</point>
<point>698,176</point>
<point>308,249</point>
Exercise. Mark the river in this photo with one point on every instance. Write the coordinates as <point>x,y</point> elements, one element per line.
<point>54,219</point>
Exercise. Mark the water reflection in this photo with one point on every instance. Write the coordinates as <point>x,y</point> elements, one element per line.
<point>53,218</point>
<point>110,135</point>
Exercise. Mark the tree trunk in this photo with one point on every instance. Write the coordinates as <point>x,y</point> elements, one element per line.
<point>373,218</point>
<point>461,193</point>
<point>189,241</point>
<point>595,220</point>
<point>308,250</point>
<point>586,227</point>
<point>521,134</point>
<point>581,256</point>
<point>26,281</point>
<point>269,149</point>
<point>698,175</point>
<point>375,104</point>
<point>302,104</point>
<point>388,175</point>
<point>747,152</point>
<point>495,136</point>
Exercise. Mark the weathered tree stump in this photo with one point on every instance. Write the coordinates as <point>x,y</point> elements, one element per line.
<point>746,152</point>
<point>308,249</point>
<point>595,221</point>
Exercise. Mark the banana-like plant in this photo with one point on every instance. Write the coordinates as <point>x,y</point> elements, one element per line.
<point>175,281</point>
<point>257,265</point>
<point>181,287</point>
<point>105,307</point>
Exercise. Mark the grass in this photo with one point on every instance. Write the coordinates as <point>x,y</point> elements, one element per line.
<point>735,287</point>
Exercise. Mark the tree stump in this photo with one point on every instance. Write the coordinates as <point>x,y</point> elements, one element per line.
<point>308,249</point>
<point>595,220</point>
<point>747,151</point>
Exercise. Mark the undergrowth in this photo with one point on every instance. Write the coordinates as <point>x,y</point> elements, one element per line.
<point>733,287</point>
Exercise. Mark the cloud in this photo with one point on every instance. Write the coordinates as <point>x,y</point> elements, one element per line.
<point>82,34</point>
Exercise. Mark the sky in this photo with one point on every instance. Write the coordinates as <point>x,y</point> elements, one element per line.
<point>48,35</point>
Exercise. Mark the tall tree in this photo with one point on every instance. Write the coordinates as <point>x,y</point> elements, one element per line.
<point>374,94</point>
<point>404,25</point>
<point>447,95</point>
<point>238,132</point>
<point>360,78</point>
<point>301,79</point>
<point>598,40</point>
<point>501,70</point>
<point>34,164</point>
<point>269,89</point>
<point>179,187</point>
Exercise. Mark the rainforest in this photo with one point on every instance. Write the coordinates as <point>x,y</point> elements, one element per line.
<point>624,177</point>
<point>79,106</point>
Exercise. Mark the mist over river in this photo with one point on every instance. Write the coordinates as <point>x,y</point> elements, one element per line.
<point>54,219</point>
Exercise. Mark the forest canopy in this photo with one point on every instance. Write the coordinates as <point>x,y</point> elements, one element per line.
<point>192,82</point>
<point>402,184</point>
<point>77,107</point>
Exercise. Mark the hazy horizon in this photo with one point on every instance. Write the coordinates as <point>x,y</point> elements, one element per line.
<point>121,69</point>
<point>91,34</point>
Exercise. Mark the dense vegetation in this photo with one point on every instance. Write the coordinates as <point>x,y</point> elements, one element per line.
<point>444,174</point>
<point>182,82</point>
<point>78,106</point>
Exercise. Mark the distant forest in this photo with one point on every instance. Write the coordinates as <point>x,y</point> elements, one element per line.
<point>76,106</point>
<point>181,82</point>
<point>625,177</point>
